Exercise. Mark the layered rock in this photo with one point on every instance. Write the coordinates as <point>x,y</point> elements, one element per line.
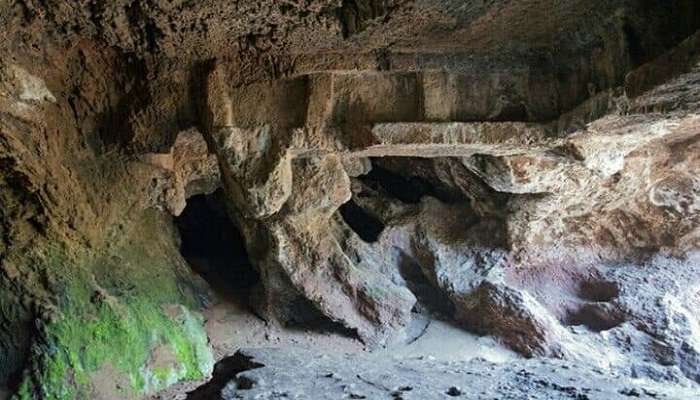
<point>379,159</point>
<point>527,199</point>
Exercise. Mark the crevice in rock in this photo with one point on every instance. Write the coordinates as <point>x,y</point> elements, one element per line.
<point>214,247</point>
<point>597,317</point>
<point>598,291</point>
<point>448,180</point>
<point>407,189</point>
<point>309,318</point>
<point>634,45</point>
<point>354,15</point>
<point>367,227</point>
<point>597,308</point>
<point>431,300</point>
<point>114,125</point>
<point>15,349</point>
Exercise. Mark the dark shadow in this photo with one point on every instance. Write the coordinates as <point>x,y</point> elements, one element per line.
<point>225,372</point>
<point>431,300</point>
<point>597,317</point>
<point>307,318</point>
<point>367,227</point>
<point>599,291</point>
<point>634,46</point>
<point>407,189</point>
<point>214,247</point>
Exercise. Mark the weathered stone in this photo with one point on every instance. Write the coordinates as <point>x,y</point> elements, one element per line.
<point>513,316</point>
<point>525,169</point>
<point>189,169</point>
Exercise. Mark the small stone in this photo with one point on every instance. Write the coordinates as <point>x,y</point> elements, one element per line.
<point>454,391</point>
<point>630,392</point>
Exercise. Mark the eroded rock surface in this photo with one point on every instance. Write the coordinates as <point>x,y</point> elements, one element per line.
<point>600,194</point>
<point>525,169</point>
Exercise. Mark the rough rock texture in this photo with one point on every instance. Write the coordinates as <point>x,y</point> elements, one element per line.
<point>519,223</point>
<point>188,170</point>
<point>528,169</point>
<point>96,300</point>
<point>574,197</point>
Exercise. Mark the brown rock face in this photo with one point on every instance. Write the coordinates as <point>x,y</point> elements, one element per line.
<point>529,170</point>
<point>541,173</point>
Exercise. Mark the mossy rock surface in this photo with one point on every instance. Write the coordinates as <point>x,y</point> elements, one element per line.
<point>129,311</point>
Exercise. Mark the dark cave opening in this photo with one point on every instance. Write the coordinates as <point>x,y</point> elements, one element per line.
<point>367,226</point>
<point>409,179</point>
<point>215,248</point>
<point>407,189</point>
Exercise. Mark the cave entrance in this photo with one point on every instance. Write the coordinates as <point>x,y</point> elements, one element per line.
<point>215,248</point>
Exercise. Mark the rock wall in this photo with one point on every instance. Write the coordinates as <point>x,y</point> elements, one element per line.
<point>537,182</point>
<point>96,300</point>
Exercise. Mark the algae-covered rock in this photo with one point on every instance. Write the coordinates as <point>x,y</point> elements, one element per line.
<point>125,321</point>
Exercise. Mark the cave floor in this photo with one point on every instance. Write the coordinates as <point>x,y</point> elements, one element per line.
<point>434,360</point>
<point>231,326</point>
<point>302,374</point>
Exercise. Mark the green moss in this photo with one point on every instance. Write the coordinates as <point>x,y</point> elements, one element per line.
<point>163,374</point>
<point>112,309</point>
<point>24,392</point>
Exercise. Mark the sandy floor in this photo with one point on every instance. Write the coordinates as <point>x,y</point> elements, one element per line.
<point>302,374</point>
<point>444,341</point>
<point>231,327</point>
